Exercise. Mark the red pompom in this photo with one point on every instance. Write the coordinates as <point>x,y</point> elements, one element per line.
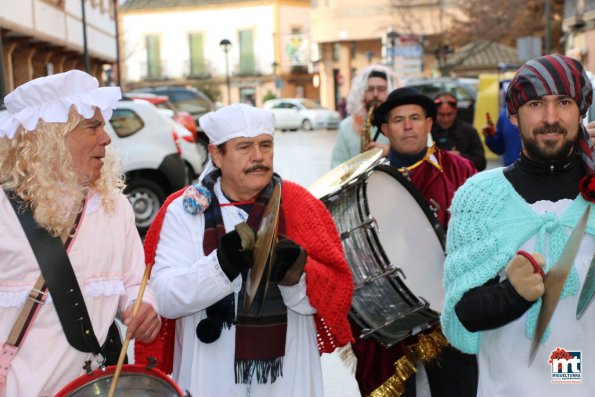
<point>587,187</point>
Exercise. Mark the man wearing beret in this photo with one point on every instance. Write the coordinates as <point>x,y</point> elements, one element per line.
<point>202,257</point>
<point>508,223</point>
<point>406,120</point>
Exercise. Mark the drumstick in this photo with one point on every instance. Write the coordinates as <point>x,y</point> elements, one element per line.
<point>135,308</point>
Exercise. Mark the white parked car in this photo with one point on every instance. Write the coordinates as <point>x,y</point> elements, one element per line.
<point>295,113</point>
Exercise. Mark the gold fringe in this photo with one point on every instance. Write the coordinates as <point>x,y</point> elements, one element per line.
<point>426,350</point>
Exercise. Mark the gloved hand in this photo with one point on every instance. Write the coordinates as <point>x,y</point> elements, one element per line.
<point>235,251</point>
<point>521,274</point>
<point>290,259</point>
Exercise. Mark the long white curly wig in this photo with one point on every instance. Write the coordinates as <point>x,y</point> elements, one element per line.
<point>37,166</point>
<point>359,84</point>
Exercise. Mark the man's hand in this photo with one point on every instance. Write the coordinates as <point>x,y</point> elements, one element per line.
<point>526,282</point>
<point>235,252</point>
<point>385,148</point>
<point>488,130</point>
<point>290,259</point>
<point>145,326</point>
<point>591,130</point>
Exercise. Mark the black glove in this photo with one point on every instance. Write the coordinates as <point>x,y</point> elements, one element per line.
<point>219,314</point>
<point>290,259</point>
<point>235,251</point>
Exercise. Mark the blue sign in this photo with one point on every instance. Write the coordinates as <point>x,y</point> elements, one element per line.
<point>406,51</point>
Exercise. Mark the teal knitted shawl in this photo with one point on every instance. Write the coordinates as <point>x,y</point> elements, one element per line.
<point>489,222</point>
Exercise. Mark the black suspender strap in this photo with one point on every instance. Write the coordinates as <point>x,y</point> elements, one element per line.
<point>60,279</point>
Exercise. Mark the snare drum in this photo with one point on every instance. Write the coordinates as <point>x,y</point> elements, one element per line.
<point>394,245</point>
<point>134,381</point>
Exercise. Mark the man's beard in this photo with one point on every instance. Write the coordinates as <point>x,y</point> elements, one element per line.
<point>549,150</point>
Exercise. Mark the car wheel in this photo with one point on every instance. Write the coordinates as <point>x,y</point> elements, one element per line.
<point>146,198</point>
<point>202,144</point>
<point>307,125</point>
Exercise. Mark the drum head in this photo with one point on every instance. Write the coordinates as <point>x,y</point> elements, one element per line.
<point>409,233</point>
<point>135,381</point>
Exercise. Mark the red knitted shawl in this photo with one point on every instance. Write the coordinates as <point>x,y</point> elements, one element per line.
<point>329,283</point>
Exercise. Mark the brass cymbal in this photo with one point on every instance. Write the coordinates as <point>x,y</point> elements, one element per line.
<point>265,244</point>
<point>342,174</point>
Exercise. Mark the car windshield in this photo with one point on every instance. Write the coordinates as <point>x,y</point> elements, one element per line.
<point>187,102</point>
<point>309,104</point>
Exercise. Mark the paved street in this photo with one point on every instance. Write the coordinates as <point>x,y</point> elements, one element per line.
<point>303,157</point>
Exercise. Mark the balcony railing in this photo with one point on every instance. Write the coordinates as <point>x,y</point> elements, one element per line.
<point>197,71</point>
<point>153,71</point>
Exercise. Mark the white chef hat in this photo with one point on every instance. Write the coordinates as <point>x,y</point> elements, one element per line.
<point>237,121</point>
<point>50,98</point>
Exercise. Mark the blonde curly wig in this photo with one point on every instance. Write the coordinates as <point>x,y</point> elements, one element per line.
<point>37,166</point>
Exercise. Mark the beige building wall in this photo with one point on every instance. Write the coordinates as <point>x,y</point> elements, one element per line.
<point>357,28</point>
<point>580,43</point>
<point>40,37</point>
<point>273,23</point>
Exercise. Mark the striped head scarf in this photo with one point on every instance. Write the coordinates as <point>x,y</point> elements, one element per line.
<point>554,75</point>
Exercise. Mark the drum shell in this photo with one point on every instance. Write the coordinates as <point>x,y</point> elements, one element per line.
<point>383,300</point>
<point>134,381</point>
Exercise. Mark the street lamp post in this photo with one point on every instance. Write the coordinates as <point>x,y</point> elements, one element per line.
<point>85,48</point>
<point>225,45</point>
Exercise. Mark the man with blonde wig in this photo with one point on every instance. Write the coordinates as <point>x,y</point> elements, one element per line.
<point>216,346</point>
<point>369,89</point>
<point>62,191</point>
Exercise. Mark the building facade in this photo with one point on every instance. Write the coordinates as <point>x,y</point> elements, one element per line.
<point>351,34</point>
<point>252,49</point>
<point>42,37</point>
<point>579,31</point>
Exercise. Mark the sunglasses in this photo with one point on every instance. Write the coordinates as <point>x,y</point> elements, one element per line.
<point>448,101</point>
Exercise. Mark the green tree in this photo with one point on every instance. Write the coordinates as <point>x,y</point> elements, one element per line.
<point>209,87</point>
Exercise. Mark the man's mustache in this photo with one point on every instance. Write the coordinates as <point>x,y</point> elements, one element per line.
<point>555,128</point>
<point>257,167</point>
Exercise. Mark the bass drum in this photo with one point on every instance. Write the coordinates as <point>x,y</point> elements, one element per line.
<point>134,381</point>
<point>394,245</point>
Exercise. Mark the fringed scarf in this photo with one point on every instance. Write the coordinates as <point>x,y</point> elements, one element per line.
<point>261,332</point>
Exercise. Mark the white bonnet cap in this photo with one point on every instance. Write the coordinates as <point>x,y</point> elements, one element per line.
<point>236,121</point>
<point>50,98</point>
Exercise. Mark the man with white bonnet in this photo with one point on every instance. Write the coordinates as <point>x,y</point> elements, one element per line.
<point>67,225</point>
<point>214,347</point>
<point>510,225</point>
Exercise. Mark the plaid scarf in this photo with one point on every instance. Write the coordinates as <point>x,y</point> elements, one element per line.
<point>261,332</point>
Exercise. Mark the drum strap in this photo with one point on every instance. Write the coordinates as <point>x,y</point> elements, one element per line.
<point>58,277</point>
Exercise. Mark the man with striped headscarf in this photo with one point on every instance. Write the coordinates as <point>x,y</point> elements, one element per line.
<point>507,222</point>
